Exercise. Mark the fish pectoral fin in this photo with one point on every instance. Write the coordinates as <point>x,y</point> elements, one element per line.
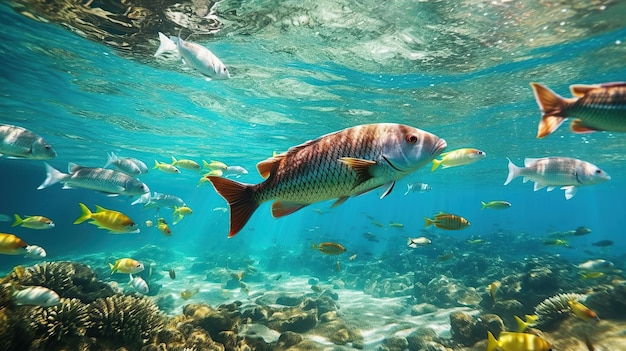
<point>550,188</point>
<point>388,190</point>
<point>339,201</point>
<point>570,191</point>
<point>539,186</point>
<point>284,208</point>
<point>361,167</point>
<point>579,127</point>
<point>525,180</point>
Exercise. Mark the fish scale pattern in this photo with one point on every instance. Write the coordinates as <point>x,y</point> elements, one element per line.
<point>313,171</point>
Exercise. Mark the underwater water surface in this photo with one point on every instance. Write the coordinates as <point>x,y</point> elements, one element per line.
<point>299,70</point>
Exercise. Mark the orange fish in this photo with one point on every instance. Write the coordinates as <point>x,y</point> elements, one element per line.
<point>596,107</point>
<point>448,221</point>
<point>339,165</point>
<point>163,227</point>
<point>12,245</point>
<point>330,248</point>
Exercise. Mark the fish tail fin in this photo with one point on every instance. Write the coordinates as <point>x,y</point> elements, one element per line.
<point>551,105</point>
<point>53,176</point>
<point>174,160</point>
<point>84,215</point>
<point>240,200</point>
<point>111,157</point>
<point>521,325</point>
<point>18,221</point>
<point>156,164</point>
<point>428,222</point>
<point>113,269</point>
<point>492,343</point>
<point>484,205</point>
<point>514,172</point>
<point>436,164</point>
<point>166,45</point>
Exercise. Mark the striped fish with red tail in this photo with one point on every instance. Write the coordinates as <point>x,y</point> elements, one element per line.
<point>338,165</point>
<point>596,108</point>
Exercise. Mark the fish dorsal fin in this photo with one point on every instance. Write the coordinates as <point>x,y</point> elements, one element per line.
<point>529,162</point>
<point>266,167</point>
<point>361,167</point>
<point>579,127</point>
<point>580,90</point>
<point>100,209</point>
<point>73,167</point>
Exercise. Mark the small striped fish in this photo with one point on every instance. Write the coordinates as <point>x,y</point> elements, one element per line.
<point>596,108</point>
<point>339,165</point>
<point>100,179</point>
<point>22,143</point>
<point>567,173</point>
<point>447,221</point>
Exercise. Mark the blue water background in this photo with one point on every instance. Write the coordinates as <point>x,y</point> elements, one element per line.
<point>87,100</point>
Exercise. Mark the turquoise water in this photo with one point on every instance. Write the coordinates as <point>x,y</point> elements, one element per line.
<point>466,79</point>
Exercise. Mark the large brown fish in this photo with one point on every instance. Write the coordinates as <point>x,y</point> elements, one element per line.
<point>339,165</point>
<point>596,108</point>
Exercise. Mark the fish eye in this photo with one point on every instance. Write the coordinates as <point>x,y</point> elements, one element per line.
<point>47,147</point>
<point>411,139</point>
<point>480,153</point>
<point>598,171</point>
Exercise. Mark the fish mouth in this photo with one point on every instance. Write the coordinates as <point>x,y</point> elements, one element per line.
<point>440,145</point>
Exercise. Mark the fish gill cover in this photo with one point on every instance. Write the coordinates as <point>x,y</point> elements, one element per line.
<point>265,79</point>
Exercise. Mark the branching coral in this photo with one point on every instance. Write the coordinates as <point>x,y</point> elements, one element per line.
<point>556,308</point>
<point>124,318</point>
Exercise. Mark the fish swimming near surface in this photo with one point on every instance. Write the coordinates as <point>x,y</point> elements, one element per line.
<point>18,142</point>
<point>36,296</point>
<point>447,221</point>
<point>603,243</point>
<point>236,171</point>
<point>214,165</point>
<point>35,252</point>
<point>458,157</point>
<point>165,167</point>
<point>128,165</point>
<point>417,188</point>
<point>33,222</point>
<point>495,205</point>
<point>417,242</point>
<point>126,266</point>
<point>166,45</point>
<point>329,248</point>
<point>12,245</point>
<point>598,107</point>
<point>201,59</point>
<point>190,165</point>
<point>159,200</point>
<point>510,341</point>
<point>103,180</point>
<point>581,311</point>
<point>113,221</point>
<point>139,284</point>
<point>338,166</point>
<point>564,172</point>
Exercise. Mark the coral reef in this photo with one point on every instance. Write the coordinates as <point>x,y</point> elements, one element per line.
<point>555,309</point>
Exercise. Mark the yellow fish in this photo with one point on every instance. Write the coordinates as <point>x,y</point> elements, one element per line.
<point>447,221</point>
<point>113,221</point>
<point>495,205</point>
<point>187,294</point>
<point>180,213</point>
<point>522,325</point>
<point>458,157</point>
<point>163,227</point>
<point>126,266</point>
<point>330,248</point>
<point>165,167</point>
<point>510,341</point>
<point>33,222</point>
<point>493,289</point>
<point>214,165</point>
<point>186,164</point>
<point>591,275</point>
<point>12,245</point>
<point>581,311</point>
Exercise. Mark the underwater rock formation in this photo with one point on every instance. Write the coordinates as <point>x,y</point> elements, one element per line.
<point>447,292</point>
<point>468,330</point>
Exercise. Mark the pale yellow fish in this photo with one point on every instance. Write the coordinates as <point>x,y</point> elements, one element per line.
<point>126,266</point>
<point>493,289</point>
<point>149,223</point>
<point>214,165</point>
<point>213,173</point>
<point>165,167</point>
<point>186,164</point>
<point>180,213</point>
<point>458,157</point>
<point>113,221</point>
<point>33,222</point>
<point>581,311</point>
<point>495,205</point>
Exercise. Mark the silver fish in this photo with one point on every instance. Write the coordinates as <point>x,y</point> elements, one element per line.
<point>564,172</point>
<point>99,179</point>
<point>139,284</point>
<point>36,296</point>
<point>417,188</point>
<point>161,200</point>
<point>201,58</point>
<point>236,171</point>
<point>416,242</point>
<point>127,165</point>
<point>35,251</point>
<point>595,265</point>
<point>19,142</point>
